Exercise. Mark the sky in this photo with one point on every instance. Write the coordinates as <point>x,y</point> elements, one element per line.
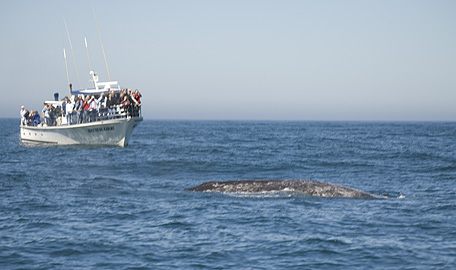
<point>345,60</point>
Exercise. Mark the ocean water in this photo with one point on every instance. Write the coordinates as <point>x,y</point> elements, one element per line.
<point>127,208</point>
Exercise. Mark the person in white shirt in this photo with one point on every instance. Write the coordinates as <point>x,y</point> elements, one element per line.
<point>102,110</point>
<point>45,115</point>
<point>93,109</point>
<point>69,112</point>
<point>23,120</point>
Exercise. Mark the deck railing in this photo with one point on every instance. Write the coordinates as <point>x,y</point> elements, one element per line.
<point>82,117</point>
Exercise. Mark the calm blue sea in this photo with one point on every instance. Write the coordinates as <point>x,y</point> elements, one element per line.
<point>126,208</point>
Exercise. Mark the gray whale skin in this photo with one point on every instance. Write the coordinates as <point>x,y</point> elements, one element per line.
<point>304,187</point>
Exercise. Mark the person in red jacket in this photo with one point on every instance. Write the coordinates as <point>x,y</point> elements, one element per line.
<point>137,96</point>
<point>85,108</point>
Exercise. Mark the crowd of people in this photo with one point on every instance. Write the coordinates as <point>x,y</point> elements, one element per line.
<point>80,109</point>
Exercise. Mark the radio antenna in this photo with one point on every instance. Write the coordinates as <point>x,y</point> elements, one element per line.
<point>66,67</point>
<point>88,56</point>
<point>72,52</point>
<point>104,55</point>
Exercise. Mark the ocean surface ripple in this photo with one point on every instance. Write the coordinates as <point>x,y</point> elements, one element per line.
<point>126,208</point>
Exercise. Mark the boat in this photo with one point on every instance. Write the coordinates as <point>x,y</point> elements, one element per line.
<point>106,128</point>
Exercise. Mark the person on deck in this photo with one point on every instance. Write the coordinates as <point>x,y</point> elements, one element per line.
<point>69,112</point>
<point>29,118</point>
<point>111,105</point>
<point>86,107</point>
<point>36,119</point>
<point>64,103</point>
<point>78,108</point>
<point>26,117</point>
<point>23,123</point>
<point>126,105</point>
<point>45,115</point>
<point>101,102</point>
<point>137,96</point>
<point>93,109</point>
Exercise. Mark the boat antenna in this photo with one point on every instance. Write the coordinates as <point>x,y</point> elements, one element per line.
<point>66,67</point>
<point>88,56</point>
<point>98,28</point>
<point>72,52</point>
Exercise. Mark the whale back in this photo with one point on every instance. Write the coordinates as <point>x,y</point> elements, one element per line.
<point>304,187</point>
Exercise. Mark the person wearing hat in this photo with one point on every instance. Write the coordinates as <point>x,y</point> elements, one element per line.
<point>23,123</point>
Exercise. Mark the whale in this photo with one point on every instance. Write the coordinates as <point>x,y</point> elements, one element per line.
<point>303,187</point>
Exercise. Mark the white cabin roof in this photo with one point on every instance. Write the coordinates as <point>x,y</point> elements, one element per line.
<point>54,103</point>
<point>102,87</point>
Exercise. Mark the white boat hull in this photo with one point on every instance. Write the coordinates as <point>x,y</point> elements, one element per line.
<point>115,132</point>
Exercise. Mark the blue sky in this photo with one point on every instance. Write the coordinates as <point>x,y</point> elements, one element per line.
<point>241,60</point>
